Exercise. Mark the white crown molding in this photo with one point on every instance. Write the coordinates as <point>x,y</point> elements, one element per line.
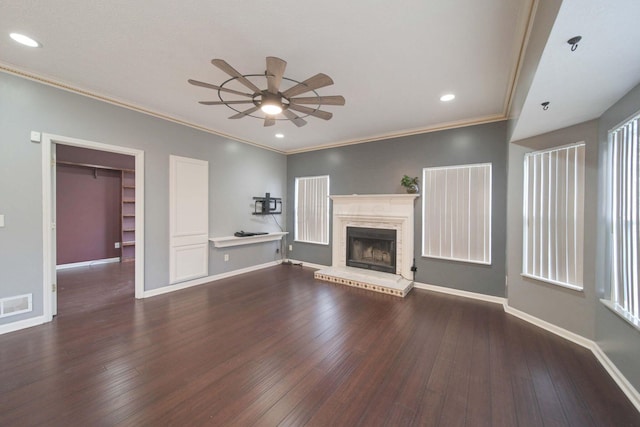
<point>50,81</point>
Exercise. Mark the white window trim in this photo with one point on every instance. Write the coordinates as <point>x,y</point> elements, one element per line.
<point>295,214</point>
<point>623,314</point>
<point>489,213</point>
<point>566,285</point>
<point>554,282</point>
<point>609,302</point>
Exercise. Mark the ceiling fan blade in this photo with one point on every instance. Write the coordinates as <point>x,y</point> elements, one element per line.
<point>224,102</point>
<point>319,100</point>
<point>224,66</point>
<point>269,121</point>
<point>325,115</point>
<point>244,113</point>
<point>222,89</point>
<point>298,121</point>
<point>275,71</point>
<point>312,83</point>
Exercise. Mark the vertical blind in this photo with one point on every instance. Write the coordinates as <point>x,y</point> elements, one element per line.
<point>553,215</point>
<point>312,209</point>
<point>624,152</point>
<point>456,212</point>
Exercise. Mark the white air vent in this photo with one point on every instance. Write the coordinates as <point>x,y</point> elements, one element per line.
<point>11,306</point>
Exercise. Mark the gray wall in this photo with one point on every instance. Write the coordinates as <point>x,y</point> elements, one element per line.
<point>237,173</point>
<point>619,340</point>
<point>569,309</point>
<point>578,312</point>
<point>376,168</point>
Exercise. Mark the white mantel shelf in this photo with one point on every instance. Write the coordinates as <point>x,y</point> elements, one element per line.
<point>374,196</point>
<point>227,241</point>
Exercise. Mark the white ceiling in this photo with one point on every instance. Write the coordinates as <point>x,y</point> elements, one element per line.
<point>390,60</point>
<point>583,84</point>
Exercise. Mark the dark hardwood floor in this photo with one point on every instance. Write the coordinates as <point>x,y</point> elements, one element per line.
<point>276,347</point>
<point>85,289</point>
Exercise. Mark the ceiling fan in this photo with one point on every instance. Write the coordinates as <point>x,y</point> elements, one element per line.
<point>270,101</point>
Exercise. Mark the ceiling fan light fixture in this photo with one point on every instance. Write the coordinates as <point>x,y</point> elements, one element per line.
<point>271,109</point>
<point>275,105</point>
<point>271,104</point>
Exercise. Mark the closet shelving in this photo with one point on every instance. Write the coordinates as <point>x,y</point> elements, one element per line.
<point>128,221</point>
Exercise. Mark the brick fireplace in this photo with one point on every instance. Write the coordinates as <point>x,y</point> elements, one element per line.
<point>388,214</point>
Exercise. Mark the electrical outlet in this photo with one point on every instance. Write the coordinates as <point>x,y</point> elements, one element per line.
<point>226,257</point>
<point>290,248</point>
<point>117,245</point>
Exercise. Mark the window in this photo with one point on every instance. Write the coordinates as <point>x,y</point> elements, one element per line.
<point>624,212</point>
<point>553,215</point>
<point>456,212</point>
<point>312,210</point>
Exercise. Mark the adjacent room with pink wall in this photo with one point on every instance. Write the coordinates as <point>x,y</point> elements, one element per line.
<point>88,208</point>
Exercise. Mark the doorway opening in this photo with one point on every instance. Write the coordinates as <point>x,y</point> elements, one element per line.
<point>94,254</point>
<point>95,226</point>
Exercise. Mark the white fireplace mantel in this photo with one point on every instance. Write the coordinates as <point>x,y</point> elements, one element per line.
<point>390,211</point>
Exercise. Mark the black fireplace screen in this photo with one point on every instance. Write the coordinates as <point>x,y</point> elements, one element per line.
<point>371,248</point>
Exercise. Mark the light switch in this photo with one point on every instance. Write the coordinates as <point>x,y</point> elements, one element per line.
<point>1,220</point>
<point>35,136</point>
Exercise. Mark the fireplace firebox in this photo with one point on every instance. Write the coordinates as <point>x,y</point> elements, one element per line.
<point>371,248</point>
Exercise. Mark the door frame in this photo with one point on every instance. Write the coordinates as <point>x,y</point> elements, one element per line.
<point>48,226</point>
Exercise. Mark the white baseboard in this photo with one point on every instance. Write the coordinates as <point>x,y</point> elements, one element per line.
<point>617,376</point>
<point>87,263</point>
<point>624,384</point>
<point>460,293</point>
<point>308,264</point>
<point>557,330</point>
<point>208,279</point>
<point>627,388</point>
<point>21,324</point>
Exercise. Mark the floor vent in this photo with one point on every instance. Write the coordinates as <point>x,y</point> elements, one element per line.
<point>11,306</point>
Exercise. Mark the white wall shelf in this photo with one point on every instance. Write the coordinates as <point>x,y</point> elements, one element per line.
<point>225,242</point>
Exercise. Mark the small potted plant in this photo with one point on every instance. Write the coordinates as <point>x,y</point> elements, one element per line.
<point>410,184</point>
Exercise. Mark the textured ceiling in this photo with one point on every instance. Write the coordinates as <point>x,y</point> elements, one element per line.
<point>391,60</point>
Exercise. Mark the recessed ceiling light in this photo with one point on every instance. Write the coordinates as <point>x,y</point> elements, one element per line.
<point>447,97</point>
<point>279,135</point>
<point>25,40</point>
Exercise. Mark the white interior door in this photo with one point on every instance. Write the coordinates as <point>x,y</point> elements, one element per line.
<point>188,219</point>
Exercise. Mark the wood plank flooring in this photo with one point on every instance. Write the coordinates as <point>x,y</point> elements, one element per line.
<point>275,347</point>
